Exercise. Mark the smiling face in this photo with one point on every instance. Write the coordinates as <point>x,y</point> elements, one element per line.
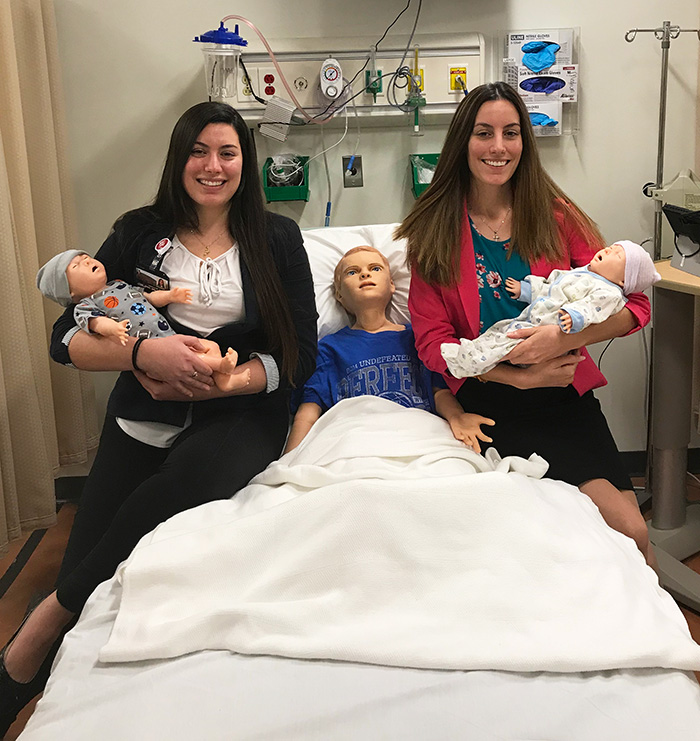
<point>212,173</point>
<point>495,144</point>
<point>363,278</point>
<point>610,263</point>
<point>85,276</point>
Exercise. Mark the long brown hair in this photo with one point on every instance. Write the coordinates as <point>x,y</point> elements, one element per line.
<point>434,226</point>
<point>247,219</point>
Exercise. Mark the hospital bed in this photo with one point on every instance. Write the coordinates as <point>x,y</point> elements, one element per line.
<point>528,619</point>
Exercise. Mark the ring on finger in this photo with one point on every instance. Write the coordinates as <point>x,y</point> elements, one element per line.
<point>194,374</point>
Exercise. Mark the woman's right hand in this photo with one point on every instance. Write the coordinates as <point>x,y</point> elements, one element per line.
<point>558,372</point>
<point>175,360</point>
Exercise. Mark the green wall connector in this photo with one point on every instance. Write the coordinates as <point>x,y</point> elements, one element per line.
<point>373,83</point>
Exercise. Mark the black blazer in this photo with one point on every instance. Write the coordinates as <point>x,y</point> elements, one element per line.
<point>132,242</point>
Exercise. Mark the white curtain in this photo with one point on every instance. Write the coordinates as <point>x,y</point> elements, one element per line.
<point>47,416</point>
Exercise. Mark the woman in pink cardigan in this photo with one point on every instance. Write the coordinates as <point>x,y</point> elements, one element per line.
<point>492,212</point>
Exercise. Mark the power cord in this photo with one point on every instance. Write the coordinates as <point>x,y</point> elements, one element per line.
<point>250,83</point>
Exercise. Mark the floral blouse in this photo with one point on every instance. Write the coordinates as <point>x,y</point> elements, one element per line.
<point>492,268</point>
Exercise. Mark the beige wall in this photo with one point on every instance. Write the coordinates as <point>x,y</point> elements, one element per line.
<point>130,69</point>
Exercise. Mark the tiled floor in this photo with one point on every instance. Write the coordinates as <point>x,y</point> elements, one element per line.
<point>39,573</point>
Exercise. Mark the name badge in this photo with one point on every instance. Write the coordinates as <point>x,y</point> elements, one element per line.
<point>152,279</point>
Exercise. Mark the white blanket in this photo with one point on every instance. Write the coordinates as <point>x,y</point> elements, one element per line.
<point>383,540</point>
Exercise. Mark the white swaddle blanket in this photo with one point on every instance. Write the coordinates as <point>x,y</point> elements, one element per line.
<point>381,539</point>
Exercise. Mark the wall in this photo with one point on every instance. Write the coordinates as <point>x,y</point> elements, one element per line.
<point>129,70</point>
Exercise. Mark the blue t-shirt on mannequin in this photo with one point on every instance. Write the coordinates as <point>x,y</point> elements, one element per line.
<point>353,362</point>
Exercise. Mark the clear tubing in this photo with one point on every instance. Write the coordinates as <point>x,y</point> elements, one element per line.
<point>277,67</point>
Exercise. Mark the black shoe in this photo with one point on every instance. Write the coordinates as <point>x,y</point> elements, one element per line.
<point>16,695</point>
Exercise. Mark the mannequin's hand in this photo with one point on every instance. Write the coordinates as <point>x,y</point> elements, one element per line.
<point>565,322</point>
<point>467,428</point>
<point>513,287</point>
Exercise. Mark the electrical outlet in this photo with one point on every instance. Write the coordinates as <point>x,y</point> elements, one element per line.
<point>268,82</point>
<point>246,85</point>
<point>352,178</point>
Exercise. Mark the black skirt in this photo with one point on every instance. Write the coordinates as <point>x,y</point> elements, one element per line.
<point>569,431</point>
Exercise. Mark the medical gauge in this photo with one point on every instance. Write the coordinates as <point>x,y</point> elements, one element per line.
<point>331,78</point>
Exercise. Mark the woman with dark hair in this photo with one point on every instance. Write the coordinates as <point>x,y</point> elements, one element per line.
<point>171,440</point>
<point>492,213</point>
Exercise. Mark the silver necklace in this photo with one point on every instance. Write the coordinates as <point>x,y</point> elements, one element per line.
<point>498,228</point>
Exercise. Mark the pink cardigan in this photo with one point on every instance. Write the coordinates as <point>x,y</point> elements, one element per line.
<point>444,314</point>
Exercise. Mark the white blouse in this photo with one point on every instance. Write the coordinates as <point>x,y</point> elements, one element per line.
<point>216,285</point>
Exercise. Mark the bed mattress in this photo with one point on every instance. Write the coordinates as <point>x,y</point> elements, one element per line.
<point>219,695</point>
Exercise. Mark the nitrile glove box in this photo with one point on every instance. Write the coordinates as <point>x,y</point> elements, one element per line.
<point>553,111</point>
<point>563,81</point>
<point>515,40</point>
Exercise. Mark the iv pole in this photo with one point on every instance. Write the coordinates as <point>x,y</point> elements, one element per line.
<point>674,534</point>
<point>664,35</point>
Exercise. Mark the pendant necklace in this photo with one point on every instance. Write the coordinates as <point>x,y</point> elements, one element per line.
<point>498,228</point>
<point>206,252</point>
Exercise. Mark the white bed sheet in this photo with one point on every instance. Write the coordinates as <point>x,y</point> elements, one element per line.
<point>218,695</point>
<point>382,539</point>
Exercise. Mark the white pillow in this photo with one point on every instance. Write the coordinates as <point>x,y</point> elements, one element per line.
<point>326,246</point>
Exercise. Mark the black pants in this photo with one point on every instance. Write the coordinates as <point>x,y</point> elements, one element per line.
<point>567,430</point>
<point>132,487</point>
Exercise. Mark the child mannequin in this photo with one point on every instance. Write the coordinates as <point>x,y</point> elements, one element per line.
<point>572,298</point>
<point>75,277</point>
<point>355,361</point>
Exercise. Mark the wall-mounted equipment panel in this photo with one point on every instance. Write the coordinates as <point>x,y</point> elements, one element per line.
<point>445,64</point>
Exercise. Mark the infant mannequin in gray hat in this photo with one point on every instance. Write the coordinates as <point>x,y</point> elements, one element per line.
<point>117,310</point>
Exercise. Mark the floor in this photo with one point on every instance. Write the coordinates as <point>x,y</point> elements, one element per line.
<point>37,576</point>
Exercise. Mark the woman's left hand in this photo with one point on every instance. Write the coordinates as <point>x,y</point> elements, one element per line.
<point>539,344</point>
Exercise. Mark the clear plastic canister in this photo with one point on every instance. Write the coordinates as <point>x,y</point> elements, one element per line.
<point>221,70</point>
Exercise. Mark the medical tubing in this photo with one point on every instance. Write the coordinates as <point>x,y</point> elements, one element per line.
<point>357,141</point>
<point>392,24</point>
<point>391,75</point>
<point>400,68</point>
<point>357,121</point>
<point>322,144</point>
<point>277,67</point>
<point>327,221</point>
<point>374,48</point>
<point>373,51</point>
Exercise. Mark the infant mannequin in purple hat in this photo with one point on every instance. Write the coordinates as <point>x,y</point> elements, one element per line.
<point>571,298</point>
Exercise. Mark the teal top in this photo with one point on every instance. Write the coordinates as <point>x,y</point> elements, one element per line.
<point>493,266</point>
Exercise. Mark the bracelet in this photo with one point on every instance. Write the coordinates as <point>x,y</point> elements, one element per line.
<point>135,351</point>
